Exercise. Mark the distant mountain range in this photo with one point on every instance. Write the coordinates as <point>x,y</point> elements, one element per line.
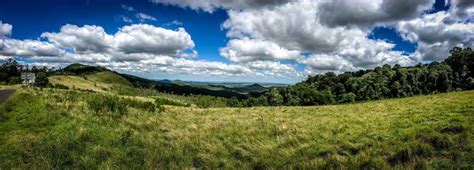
<point>219,89</point>
<point>227,84</point>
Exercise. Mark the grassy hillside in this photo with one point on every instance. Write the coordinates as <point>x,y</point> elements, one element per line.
<point>79,129</point>
<point>77,82</point>
<point>109,77</point>
<point>98,81</point>
<point>112,83</point>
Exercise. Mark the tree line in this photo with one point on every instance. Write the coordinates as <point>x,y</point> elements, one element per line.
<point>453,74</point>
<point>456,73</point>
<point>10,73</point>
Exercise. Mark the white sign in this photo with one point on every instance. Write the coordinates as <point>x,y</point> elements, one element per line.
<point>28,78</point>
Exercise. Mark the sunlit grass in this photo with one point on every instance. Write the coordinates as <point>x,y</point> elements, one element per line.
<point>58,129</point>
<point>5,87</point>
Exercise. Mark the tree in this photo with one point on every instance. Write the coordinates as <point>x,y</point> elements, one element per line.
<point>10,72</point>
<point>274,97</point>
<point>233,102</point>
<point>41,79</point>
<point>461,62</point>
<point>347,98</point>
<point>262,101</point>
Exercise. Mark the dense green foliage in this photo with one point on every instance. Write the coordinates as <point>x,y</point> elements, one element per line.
<point>10,73</point>
<point>80,69</point>
<point>59,129</point>
<point>454,74</point>
<point>117,106</point>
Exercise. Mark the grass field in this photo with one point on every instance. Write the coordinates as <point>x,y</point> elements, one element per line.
<point>53,128</point>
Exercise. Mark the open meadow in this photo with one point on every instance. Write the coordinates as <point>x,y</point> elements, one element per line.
<point>56,128</point>
<point>237,84</point>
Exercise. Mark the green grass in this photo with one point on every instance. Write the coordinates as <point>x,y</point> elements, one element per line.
<point>59,129</point>
<point>111,83</point>
<point>100,81</point>
<point>108,78</point>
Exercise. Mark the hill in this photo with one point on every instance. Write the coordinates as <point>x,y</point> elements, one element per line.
<point>79,69</point>
<point>65,129</point>
<point>98,79</point>
<point>180,88</point>
<point>254,88</point>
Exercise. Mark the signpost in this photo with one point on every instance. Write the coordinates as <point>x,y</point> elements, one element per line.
<point>28,78</point>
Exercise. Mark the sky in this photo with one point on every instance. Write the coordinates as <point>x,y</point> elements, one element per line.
<point>280,41</point>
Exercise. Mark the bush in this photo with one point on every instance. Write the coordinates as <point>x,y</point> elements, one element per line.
<point>143,105</point>
<point>41,79</point>
<point>59,86</point>
<point>348,98</point>
<point>208,101</point>
<point>103,104</point>
<point>118,106</point>
<point>164,101</point>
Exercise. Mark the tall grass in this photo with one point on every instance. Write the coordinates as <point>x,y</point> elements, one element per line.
<point>57,128</point>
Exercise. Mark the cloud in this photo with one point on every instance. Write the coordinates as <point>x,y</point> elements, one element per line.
<point>137,38</point>
<point>126,19</point>
<point>212,5</point>
<point>436,34</point>
<point>27,48</point>
<point>464,8</point>
<point>274,69</point>
<point>128,8</point>
<point>325,62</point>
<point>174,22</point>
<point>89,38</point>
<point>293,26</point>
<point>369,12</point>
<point>143,38</point>
<point>333,35</point>
<point>277,40</point>
<point>288,31</point>
<point>5,29</point>
<point>143,17</point>
<point>245,50</point>
<point>137,48</point>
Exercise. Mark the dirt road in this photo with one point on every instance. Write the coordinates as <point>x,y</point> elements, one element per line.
<point>5,94</point>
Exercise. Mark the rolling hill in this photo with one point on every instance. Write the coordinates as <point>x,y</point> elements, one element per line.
<point>98,79</point>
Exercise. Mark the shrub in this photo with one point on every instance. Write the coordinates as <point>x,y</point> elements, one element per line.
<point>118,106</point>
<point>59,86</point>
<point>143,105</point>
<point>164,101</point>
<point>102,103</point>
<point>348,98</point>
<point>41,79</point>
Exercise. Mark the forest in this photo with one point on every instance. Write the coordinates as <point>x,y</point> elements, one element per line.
<point>453,74</point>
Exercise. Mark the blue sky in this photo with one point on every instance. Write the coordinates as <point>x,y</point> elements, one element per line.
<point>32,18</point>
<point>242,49</point>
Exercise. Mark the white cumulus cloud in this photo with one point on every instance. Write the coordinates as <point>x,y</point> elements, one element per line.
<point>5,29</point>
<point>436,34</point>
<point>245,50</point>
